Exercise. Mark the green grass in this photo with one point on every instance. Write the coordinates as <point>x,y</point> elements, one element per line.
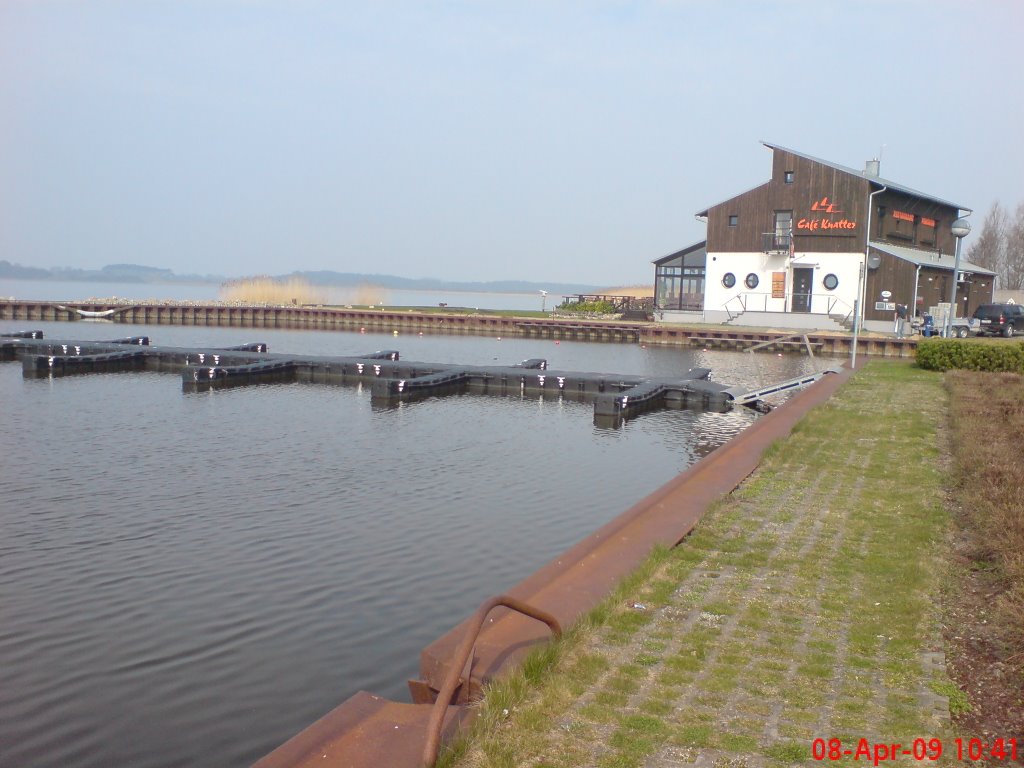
<point>803,626</point>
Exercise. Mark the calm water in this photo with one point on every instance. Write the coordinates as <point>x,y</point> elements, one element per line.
<point>191,579</point>
<point>56,290</point>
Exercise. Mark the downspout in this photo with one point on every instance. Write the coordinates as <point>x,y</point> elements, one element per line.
<point>863,275</point>
<point>704,299</point>
<point>912,309</point>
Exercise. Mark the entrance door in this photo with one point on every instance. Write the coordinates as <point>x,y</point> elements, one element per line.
<point>803,281</point>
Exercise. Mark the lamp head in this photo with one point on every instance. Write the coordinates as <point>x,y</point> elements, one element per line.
<point>960,228</point>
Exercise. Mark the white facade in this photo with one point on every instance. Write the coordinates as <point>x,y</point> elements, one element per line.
<point>780,284</point>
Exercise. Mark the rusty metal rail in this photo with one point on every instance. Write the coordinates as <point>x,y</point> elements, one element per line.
<point>460,658</point>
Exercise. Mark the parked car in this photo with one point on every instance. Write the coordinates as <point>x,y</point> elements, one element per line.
<point>1000,319</point>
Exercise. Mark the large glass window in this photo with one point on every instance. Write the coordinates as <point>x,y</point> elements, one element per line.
<point>783,228</point>
<point>678,287</point>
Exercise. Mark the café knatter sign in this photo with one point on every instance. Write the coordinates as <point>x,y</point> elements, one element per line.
<point>823,219</point>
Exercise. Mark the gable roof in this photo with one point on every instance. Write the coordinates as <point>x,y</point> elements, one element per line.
<point>877,180</point>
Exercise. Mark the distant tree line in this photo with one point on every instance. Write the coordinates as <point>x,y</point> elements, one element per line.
<point>1000,246</point>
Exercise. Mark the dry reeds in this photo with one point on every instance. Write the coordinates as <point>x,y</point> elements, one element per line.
<point>269,290</point>
<point>988,422</point>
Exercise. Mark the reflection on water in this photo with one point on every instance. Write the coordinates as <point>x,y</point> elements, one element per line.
<point>190,579</point>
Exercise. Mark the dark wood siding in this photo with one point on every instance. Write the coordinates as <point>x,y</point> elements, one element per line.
<point>886,227</point>
<point>894,275</point>
<point>749,209</point>
<point>898,277</point>
<point>812,183</point>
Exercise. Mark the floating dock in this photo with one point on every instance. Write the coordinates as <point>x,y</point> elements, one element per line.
<point>391,380</point>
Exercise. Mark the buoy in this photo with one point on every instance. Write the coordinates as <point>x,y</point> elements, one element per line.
<point>421,333</point>
<point>362,330</point>
<point>499,338</point>
<point>394,333</point>
<point>557,342</point>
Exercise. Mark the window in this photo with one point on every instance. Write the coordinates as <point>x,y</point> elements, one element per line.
<point>926,231</point>
<point>751,281</point>
<point>733,219</point>
<point>901,225</point>
<point>783,228</point>
<point>788,177</point>
<point>831,282</point>
<point>678,286</point>
<point>728,279</point>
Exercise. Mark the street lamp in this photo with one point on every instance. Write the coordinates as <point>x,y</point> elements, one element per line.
<point>960,230</point>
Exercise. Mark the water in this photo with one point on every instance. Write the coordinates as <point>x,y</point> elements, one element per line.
<point>191,579</point>
<point>56,290</point>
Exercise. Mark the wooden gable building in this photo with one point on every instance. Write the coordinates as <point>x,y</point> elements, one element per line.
<point>794,251</point>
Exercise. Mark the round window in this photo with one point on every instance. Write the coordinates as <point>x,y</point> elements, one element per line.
<point>751,281</point>
<point>830,281</point>
<point>728,279</point>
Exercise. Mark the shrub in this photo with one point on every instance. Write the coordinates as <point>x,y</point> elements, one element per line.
<point>596,307</point>
<point>970,355</point>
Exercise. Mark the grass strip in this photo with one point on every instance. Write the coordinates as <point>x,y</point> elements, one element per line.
<point>801,607</point>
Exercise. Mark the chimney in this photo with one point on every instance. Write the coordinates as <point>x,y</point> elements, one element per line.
<point>872,168</point>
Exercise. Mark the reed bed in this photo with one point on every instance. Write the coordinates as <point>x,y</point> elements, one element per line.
<point>269,290</point>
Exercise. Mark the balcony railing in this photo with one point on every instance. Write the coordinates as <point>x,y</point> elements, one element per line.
<point>777,242</point>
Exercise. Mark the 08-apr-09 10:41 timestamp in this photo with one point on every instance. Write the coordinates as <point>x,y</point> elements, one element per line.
<point>877,752</point>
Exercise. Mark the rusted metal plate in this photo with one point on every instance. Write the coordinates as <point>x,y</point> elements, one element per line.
<point>366,731</point>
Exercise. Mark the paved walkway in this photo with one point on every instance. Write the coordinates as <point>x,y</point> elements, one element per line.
<point>801,608</point>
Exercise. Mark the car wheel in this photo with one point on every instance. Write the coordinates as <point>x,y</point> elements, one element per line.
<point>1008,331</point>
<point>962,333</point>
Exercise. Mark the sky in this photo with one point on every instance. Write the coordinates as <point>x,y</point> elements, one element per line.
<point>505,140</point>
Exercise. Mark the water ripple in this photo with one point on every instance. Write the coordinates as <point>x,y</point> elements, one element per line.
<point>232,565</point>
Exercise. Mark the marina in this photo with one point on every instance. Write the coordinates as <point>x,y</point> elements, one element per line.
<point>236,562</point>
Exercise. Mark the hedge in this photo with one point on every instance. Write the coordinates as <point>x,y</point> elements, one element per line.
<point>970,355</point>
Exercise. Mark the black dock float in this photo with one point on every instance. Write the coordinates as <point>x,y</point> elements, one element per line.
<point>615,396</point>
<point>22,335</point>
<point>394,390</point>
<point>44,366</point>
<point>200,378</point>
<point>142,341</point>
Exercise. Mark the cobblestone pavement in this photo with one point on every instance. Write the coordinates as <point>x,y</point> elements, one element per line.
<point>801,608</point>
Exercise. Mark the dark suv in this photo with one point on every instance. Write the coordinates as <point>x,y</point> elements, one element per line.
<point>1004,319</point>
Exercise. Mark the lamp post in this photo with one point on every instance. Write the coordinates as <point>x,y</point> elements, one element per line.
<point>960,230</point>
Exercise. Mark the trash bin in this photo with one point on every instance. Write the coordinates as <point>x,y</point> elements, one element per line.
<point>928,329</point>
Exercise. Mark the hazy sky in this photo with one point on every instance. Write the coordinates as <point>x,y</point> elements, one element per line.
<point>561,141</point>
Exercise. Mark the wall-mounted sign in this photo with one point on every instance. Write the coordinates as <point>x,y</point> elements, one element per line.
<point>883,306</point>
<point>825,221</point>
<point>925,221</point>
<point>778,285</point>
<point>902,216</point>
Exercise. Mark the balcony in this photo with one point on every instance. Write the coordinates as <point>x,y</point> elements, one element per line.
<point>776,242</point>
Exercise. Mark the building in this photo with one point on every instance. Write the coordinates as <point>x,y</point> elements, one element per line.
<point>791,253</point>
